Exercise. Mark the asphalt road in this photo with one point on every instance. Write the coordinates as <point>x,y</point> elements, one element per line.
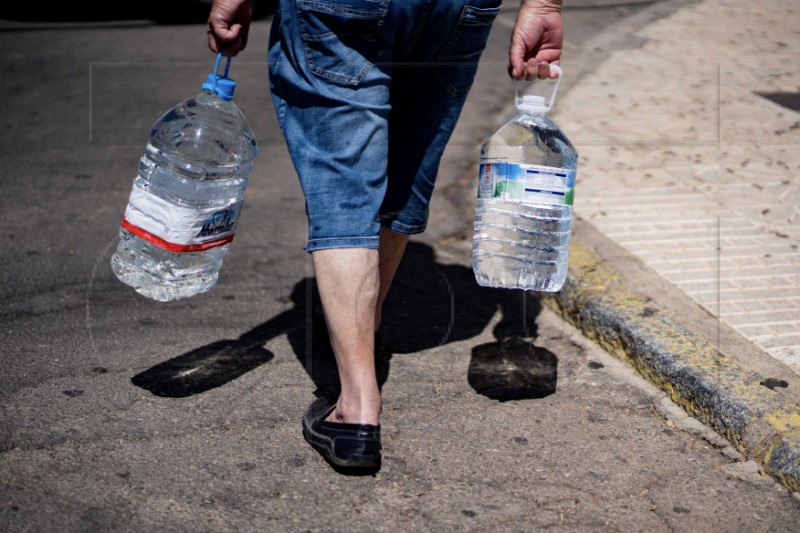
<point>119,413</point>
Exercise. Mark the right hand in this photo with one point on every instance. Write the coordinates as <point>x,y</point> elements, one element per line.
<point>228,24</point>
<point>536,41</point>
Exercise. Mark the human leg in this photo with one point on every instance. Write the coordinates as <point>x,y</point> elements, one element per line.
<point>352,282</point>
<point>348,281</point>
<point>332,98</point>
<point>390,253</point>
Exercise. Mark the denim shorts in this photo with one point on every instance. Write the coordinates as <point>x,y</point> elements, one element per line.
<point>367,93</point>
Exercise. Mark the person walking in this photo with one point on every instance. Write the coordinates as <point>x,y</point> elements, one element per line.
<point>367,94</point>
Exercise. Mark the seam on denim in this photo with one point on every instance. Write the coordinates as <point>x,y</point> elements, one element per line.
<point>419,27</point>
<point>280,111</point>
<point>343,238</point>
<point>275,80</point>
<point>447,86</point>
<point>305,37</point>
<point>411,230</point>
<point>444,53</point>
<point>351,242</point>
<point>329,9</point>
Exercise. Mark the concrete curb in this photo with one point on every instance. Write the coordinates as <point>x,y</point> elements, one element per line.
<point>760,422</point>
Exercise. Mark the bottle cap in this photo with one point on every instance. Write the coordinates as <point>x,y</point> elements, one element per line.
<point>536,105</point>
<point>222,86</point>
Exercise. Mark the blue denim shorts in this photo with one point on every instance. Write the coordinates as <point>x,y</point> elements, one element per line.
<point>367,94</point>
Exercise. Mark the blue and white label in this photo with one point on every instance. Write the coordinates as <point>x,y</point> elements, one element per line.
<point>526,183</point>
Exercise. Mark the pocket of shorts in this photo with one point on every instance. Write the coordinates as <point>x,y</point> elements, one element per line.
<point>457,63</point>
<point>341,37</point>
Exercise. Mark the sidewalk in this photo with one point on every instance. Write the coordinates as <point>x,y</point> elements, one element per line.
<point>686,259</point>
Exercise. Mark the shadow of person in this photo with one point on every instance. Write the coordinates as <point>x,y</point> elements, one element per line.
<point>430,304</point>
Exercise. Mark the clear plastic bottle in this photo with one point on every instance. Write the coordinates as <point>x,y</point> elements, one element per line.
<point>186,200</point>
<point>523,215</point>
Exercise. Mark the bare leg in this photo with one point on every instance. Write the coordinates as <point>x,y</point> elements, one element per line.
<point>392,246</point>
<point>353,283</point>
<point>348,281</point>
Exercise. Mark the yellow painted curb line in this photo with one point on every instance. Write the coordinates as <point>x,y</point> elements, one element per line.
<point>758,421</point>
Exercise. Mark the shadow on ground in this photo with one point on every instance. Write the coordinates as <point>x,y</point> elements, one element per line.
<point>429,305</point>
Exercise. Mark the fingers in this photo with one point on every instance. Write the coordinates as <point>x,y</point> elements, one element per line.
<point>533,69</point>
<point>542,70</point>
<point>552,74</point>
<point>536,69</point>
<point>242,42</point>
<point>536,42</point>
<point>516,54</point>
<point>228,25</point>
<point>231,40</point>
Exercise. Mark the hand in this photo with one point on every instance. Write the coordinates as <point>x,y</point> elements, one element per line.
<point>228,24</point>
<point>536,41</point>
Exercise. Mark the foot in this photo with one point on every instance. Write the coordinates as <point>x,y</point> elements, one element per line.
<point>349,446</point>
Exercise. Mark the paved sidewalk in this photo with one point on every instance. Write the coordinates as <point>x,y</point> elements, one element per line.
<point>690,164</point>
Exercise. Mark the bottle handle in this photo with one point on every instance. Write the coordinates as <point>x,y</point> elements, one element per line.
<point>552,101</point>
<point>216,68</point>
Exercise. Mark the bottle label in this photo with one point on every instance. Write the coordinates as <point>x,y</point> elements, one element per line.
<point>179,228</point>
<point>526,183</point>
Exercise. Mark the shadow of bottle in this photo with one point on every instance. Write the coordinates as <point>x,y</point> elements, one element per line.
<point>513,369</point>
<point>202,369</point>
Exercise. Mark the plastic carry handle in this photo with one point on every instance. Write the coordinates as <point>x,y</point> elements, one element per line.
<point>216,68</point>
<point>552,101</point>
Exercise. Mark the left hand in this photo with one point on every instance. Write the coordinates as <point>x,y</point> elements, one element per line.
<point>228,25</point>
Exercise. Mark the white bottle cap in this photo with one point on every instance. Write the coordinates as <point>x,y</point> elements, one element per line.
<point>536,105</point>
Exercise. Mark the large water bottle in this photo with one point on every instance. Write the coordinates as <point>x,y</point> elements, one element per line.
<point>523,215</point>
<point>186,200</point>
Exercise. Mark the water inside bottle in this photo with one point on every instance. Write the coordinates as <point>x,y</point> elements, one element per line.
<point>524,244</point>
<point>197,161</point>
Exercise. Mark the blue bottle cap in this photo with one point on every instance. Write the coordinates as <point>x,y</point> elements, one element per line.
<point>222,86</point>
